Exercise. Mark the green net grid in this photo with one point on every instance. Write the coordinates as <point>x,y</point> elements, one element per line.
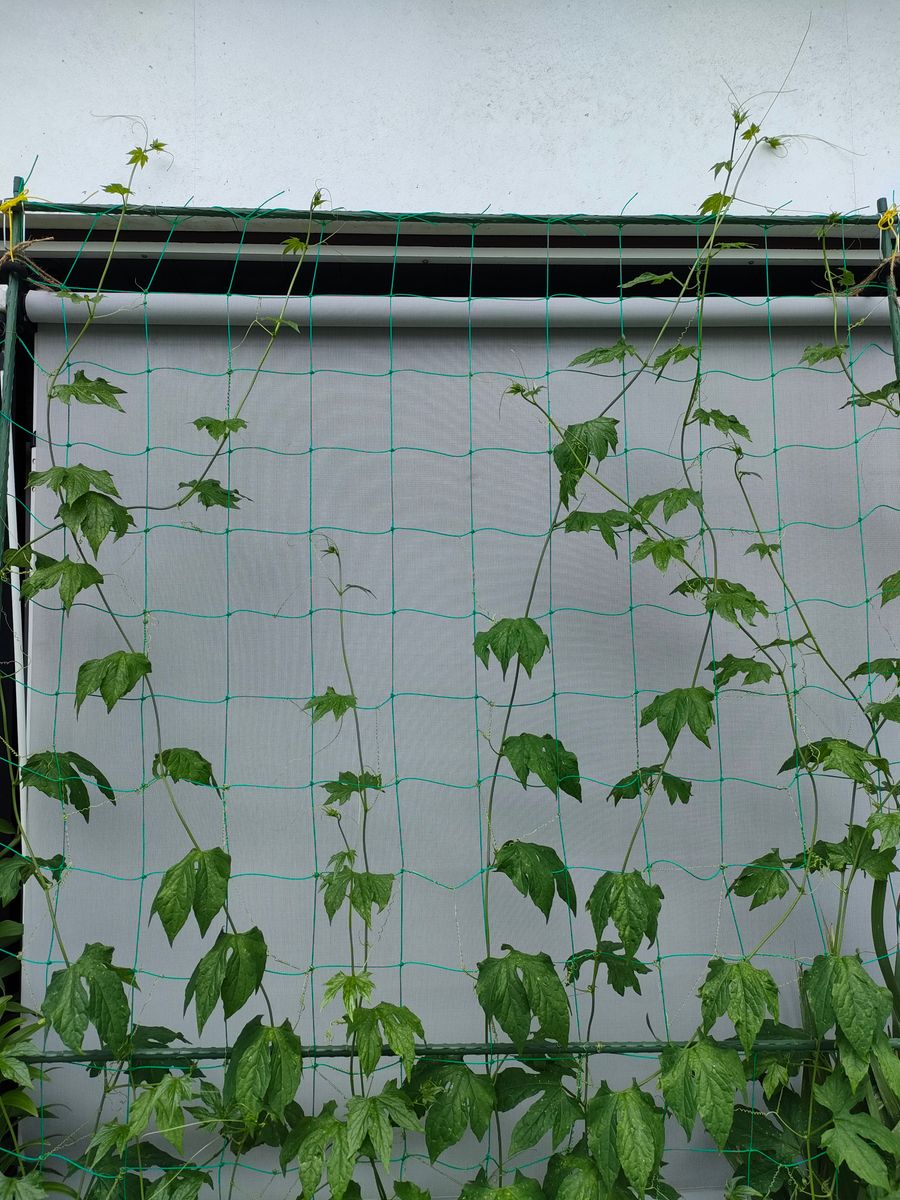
<point>862,350</point>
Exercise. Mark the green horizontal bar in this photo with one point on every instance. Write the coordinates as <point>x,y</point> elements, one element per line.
<point>177,1054</point>
<point>319,216</point>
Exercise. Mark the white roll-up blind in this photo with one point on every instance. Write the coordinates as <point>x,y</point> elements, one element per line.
<point>561,312</point>
<point>383,431</point>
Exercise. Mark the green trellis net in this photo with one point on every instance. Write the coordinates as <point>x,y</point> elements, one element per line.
<point>396,427</point>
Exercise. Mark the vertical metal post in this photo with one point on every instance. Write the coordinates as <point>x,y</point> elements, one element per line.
<point>17,234</point>
<point>888,248</point>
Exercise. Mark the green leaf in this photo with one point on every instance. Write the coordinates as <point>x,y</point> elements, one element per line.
<point>353,988</point>
<point>264,1069</point>
<point>60,775</point>
<point>861,1007</point>
<point>88,391</point>
<point>763,549</point>
<point>347,784</point>
<point>113,677</point>
<point>374,1117</point>
<point>306,1141</point>
<point>15,1070</point>
<point>630,903</point>
<point>649,277</point>
<point>457,1098</point>
<point>23,1187</point>
<point>554,1113</point>
<point>674,500</point>
<point>721,421</point>
<point>887,825</point>
<point>174,899</point>
<point>513,637</point>
<point>672,711</point>
<point>341,1162</point>
<point>89,991</point>
<point>836,754</point>
<point>392,1023</point>
<point>639,1136</point>
<point>880,668</point>
<point>884,710</point>
<point>364,888</point>
<point>822,353</point>
<point>117,189</point>
<point>702,1077</point>
<point>219,429</point>
<point>849,1143</point>
<point>329,702</point>
<point>663,551</point>
<point>520,988</point>
<point>71,482</point>
<point>742,991</point>
<point>65,1006</point>
<point>405,1189</point>
<point>548,759</point>
<point>622,969</point>
<point>729,666</point>
<point>368,889</point>
<point>886,1065</point>
<point>198,883</point>
<point>600,1125</point>
<point>72,578</point>
<point>773,1147</point>
<point>617,352</point>
<point>715,203</point>
<point>815,992</point>
<point>580,443</point>
<point>857,850</point>
<point>523,1188</point>
<point>233,970</point>
<point>606,523</point>
<point>537,871</point>
<point>677,353</point>
<point>764,879</point>
<point>644,779</point>
<point>889,588</point>
<point>571,1177</point>
<point>161,1098</point>
<point>211,494</point>
<point>183,765</point>
<point>210,894</point>
<point>294,245</point>
<point>882,396</point>
<point>733,602</point>
<point>95,516</point>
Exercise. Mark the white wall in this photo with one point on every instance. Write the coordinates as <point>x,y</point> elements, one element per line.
<point>459,105</point>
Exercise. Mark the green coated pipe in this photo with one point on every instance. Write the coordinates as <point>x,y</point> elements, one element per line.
<point>176,1054</point>
<point>887,250</point>
<point>317,216</point>
<point>17,234</point>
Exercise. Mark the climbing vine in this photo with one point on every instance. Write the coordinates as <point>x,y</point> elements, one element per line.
<point>809,1112</point>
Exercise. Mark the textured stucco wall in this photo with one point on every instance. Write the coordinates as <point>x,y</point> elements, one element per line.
<point>516,105</point>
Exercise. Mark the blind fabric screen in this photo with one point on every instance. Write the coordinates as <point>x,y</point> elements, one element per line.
<point>390,440</point>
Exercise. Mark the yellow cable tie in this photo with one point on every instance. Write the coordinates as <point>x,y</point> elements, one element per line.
<point>14,201</point>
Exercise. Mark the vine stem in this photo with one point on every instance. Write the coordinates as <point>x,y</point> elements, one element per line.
<point>341,588</point>
<point>495,774</point>
<point>489,817</point>
<point>23,835</point>
<point>116,622</point>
